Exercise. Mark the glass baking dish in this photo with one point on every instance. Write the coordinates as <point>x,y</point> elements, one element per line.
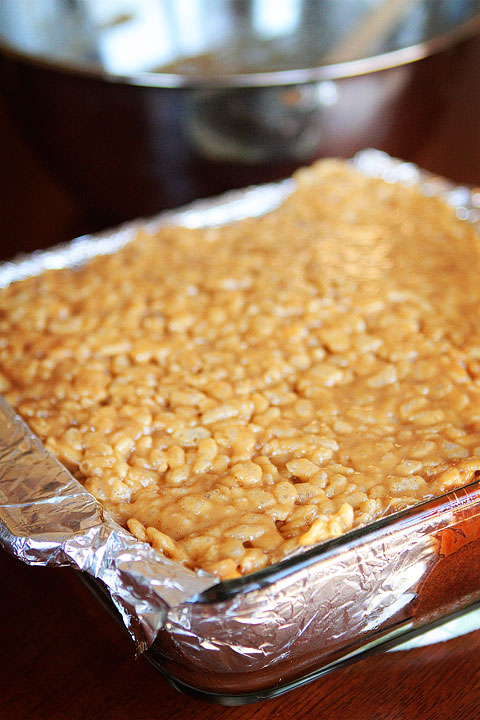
<point>246,639</point>
<point>269,632</point>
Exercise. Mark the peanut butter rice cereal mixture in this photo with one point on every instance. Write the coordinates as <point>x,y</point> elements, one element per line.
<point>232,394</point>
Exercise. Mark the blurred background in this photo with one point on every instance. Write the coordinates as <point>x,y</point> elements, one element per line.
<point>114,109</point>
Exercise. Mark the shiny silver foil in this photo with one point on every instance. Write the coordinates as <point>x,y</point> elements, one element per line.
<point>48,518</point>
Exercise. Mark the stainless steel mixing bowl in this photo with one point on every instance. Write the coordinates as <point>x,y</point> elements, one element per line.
<point>145,104</point>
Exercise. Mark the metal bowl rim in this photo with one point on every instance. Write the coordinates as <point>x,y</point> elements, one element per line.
<point>300,76</point>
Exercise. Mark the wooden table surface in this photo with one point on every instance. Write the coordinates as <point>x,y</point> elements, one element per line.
<point>62,656</point>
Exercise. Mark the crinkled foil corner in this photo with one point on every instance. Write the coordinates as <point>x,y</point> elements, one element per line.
<point>48,518</point>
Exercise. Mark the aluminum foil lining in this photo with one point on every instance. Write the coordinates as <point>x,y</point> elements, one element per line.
<point>311,609</point>
<point>48,518</point>
<point>348,598</point>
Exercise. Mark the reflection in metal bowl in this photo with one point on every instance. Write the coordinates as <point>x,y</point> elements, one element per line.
<point>142,105</point>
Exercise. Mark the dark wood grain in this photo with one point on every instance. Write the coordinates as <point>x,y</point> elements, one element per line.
<point>62,656</point>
